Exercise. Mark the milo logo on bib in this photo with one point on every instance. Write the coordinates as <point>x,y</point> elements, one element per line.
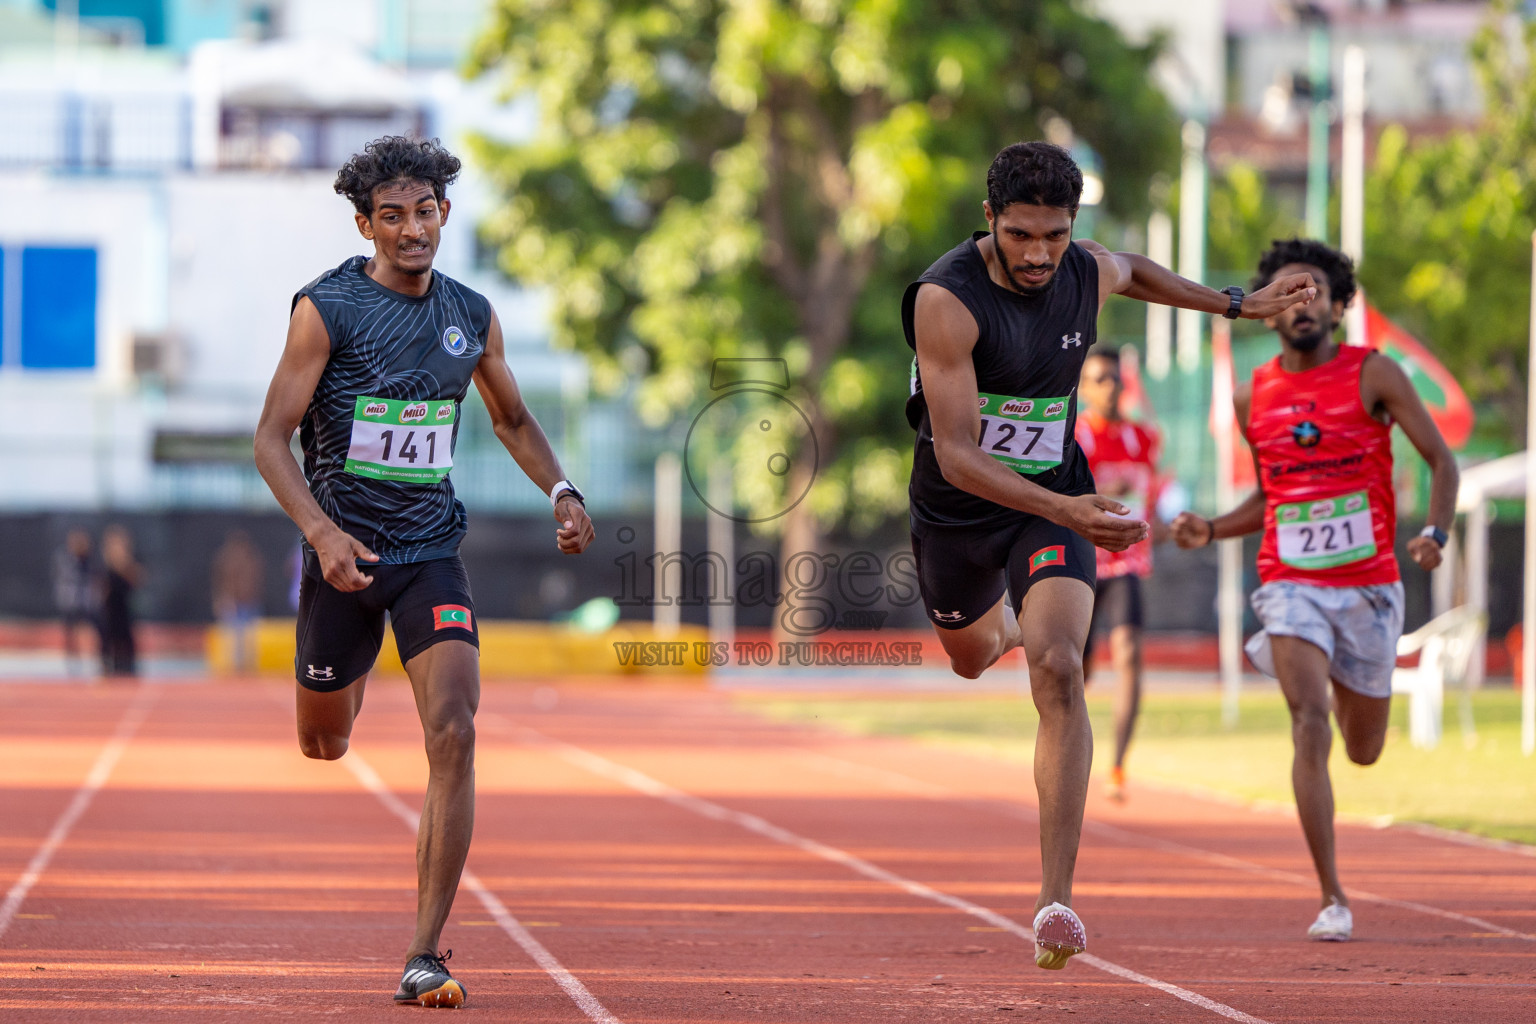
<point>392,440</point>
<point>1027,435</point>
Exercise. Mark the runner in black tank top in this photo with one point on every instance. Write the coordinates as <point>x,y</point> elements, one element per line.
<point>1002,500</point>
<point>380,354</point>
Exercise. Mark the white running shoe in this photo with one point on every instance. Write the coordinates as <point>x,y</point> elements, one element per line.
<point>1334,924</point>
<point>1059,936</point>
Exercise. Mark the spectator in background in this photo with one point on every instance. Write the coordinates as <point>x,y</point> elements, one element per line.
<point>237,588</point>
<point>74,593</point>
<point>119,655</point>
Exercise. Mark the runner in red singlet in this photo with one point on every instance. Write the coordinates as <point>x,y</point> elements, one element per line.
<point>1319,419</point>
<point>1123,457</point>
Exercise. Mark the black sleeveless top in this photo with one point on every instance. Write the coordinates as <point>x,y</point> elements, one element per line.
<point>1027,346</point>
<point>393,347</point>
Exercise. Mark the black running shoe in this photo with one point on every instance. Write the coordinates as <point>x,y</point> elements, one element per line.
<point>428,983</point>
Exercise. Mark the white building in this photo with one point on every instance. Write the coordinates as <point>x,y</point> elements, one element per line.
<point>163,210</point>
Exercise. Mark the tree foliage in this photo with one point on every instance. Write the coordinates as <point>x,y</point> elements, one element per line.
<point>1448,229</point>
<point>761,178</point>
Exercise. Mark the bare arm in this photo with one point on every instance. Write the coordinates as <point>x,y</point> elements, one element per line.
<point>1137,277</point>
<point>522,436</point>
<point>1384,385</point>
<point>1192,531</point>
<point>307,351</point>
<point>946,334</point>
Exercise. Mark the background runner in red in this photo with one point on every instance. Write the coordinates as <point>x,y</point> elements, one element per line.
<point>1315,441</point>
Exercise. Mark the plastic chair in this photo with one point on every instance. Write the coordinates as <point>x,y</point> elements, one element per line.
<point>1446,646</point>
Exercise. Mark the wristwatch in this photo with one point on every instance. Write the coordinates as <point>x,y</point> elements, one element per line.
<point>563,488</point>
<point>1435,534</point>
<point>1235,306</point>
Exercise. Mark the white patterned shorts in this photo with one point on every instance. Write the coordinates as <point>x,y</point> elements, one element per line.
<point>1357,627</point>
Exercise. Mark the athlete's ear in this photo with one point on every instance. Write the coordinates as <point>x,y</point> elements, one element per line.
<point>443,206</point>
<point>988,212</point>
<point>364,225</point>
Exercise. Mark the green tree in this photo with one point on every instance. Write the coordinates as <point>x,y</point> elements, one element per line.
<point>1448,229</point>
<point>761,178</point>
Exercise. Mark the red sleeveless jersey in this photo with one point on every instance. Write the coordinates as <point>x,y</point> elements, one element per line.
<point>1330,518</point>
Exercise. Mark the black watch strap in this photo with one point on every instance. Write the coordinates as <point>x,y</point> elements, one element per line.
<point>1235,306</point>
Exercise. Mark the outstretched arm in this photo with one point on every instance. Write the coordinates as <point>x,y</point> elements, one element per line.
<point>1137,277</point>
<point>1386,386</point>
<point>522,436</point>
<point>1192,531</point>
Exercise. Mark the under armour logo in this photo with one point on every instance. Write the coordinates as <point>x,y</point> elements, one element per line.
<point>948,616</point>
<point>324,675</point>
<point>1076,339</point>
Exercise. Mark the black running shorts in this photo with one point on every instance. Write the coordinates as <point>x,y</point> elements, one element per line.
<point>963,570</point>
<point>1117,602</point>
<point>339,634</point>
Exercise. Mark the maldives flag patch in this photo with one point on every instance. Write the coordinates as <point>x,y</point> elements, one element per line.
<point>1056,554</point>
<point>447,616</point>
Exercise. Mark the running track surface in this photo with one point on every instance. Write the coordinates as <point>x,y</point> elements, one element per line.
<point>653,854</point>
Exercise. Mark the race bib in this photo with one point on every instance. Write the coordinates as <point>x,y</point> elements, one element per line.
<point>1322,534</point>
<point>407,441</point>
<point>1025,434</point>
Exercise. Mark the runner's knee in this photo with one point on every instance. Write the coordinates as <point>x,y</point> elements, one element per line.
<point>1364,750</point>
<point>323,746</point>
<point>1310,728</point>
<point>451,743</point>
<point>1055,677</point>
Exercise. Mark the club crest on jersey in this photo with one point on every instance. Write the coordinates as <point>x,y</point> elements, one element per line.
<point>376,409</point>
<point>1014,407</point>
<point>412,413</point>
<point>1306,434</point>
<point>1075,340</point>
<point>455,343</point>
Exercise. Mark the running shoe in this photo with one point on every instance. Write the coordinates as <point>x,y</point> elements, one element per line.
<point>1059,936</point>
<point>427,982</point>
<point>1115,787</point>
<point>1334,924</point>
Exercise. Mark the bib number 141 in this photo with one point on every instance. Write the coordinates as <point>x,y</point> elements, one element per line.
<point>406,441</point>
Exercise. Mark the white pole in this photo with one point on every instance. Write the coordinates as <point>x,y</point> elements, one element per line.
<point>1191,240</point>
<point>666,613</point>
<point>1528,627</point>
<point>1352,183</point>
<point>1159,318</point>
<point>1477,583</point>
<point>1352,169</point>
<point>1229,553</point>
<point>722,542</point>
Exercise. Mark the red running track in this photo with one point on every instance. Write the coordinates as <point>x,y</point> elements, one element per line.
<point>647,854</point>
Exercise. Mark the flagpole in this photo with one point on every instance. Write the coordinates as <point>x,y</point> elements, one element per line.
<point>1229,553</point>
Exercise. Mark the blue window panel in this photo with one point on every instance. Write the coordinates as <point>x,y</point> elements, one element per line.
<point>58,308</point>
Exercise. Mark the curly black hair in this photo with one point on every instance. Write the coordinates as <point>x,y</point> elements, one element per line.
<point>1283,252</point>
<point>1036,173</point>
<point>396,158</point>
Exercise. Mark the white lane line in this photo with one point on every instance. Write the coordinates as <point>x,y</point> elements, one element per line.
<point>639,781</point>
<point>1126,837</point>
<point>573,987</point>
<point>133,717</point>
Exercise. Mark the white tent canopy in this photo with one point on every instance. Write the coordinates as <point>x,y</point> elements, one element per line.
<point>1500,478</point>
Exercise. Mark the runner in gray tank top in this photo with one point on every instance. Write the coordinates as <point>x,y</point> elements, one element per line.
<point>1004,514</point>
